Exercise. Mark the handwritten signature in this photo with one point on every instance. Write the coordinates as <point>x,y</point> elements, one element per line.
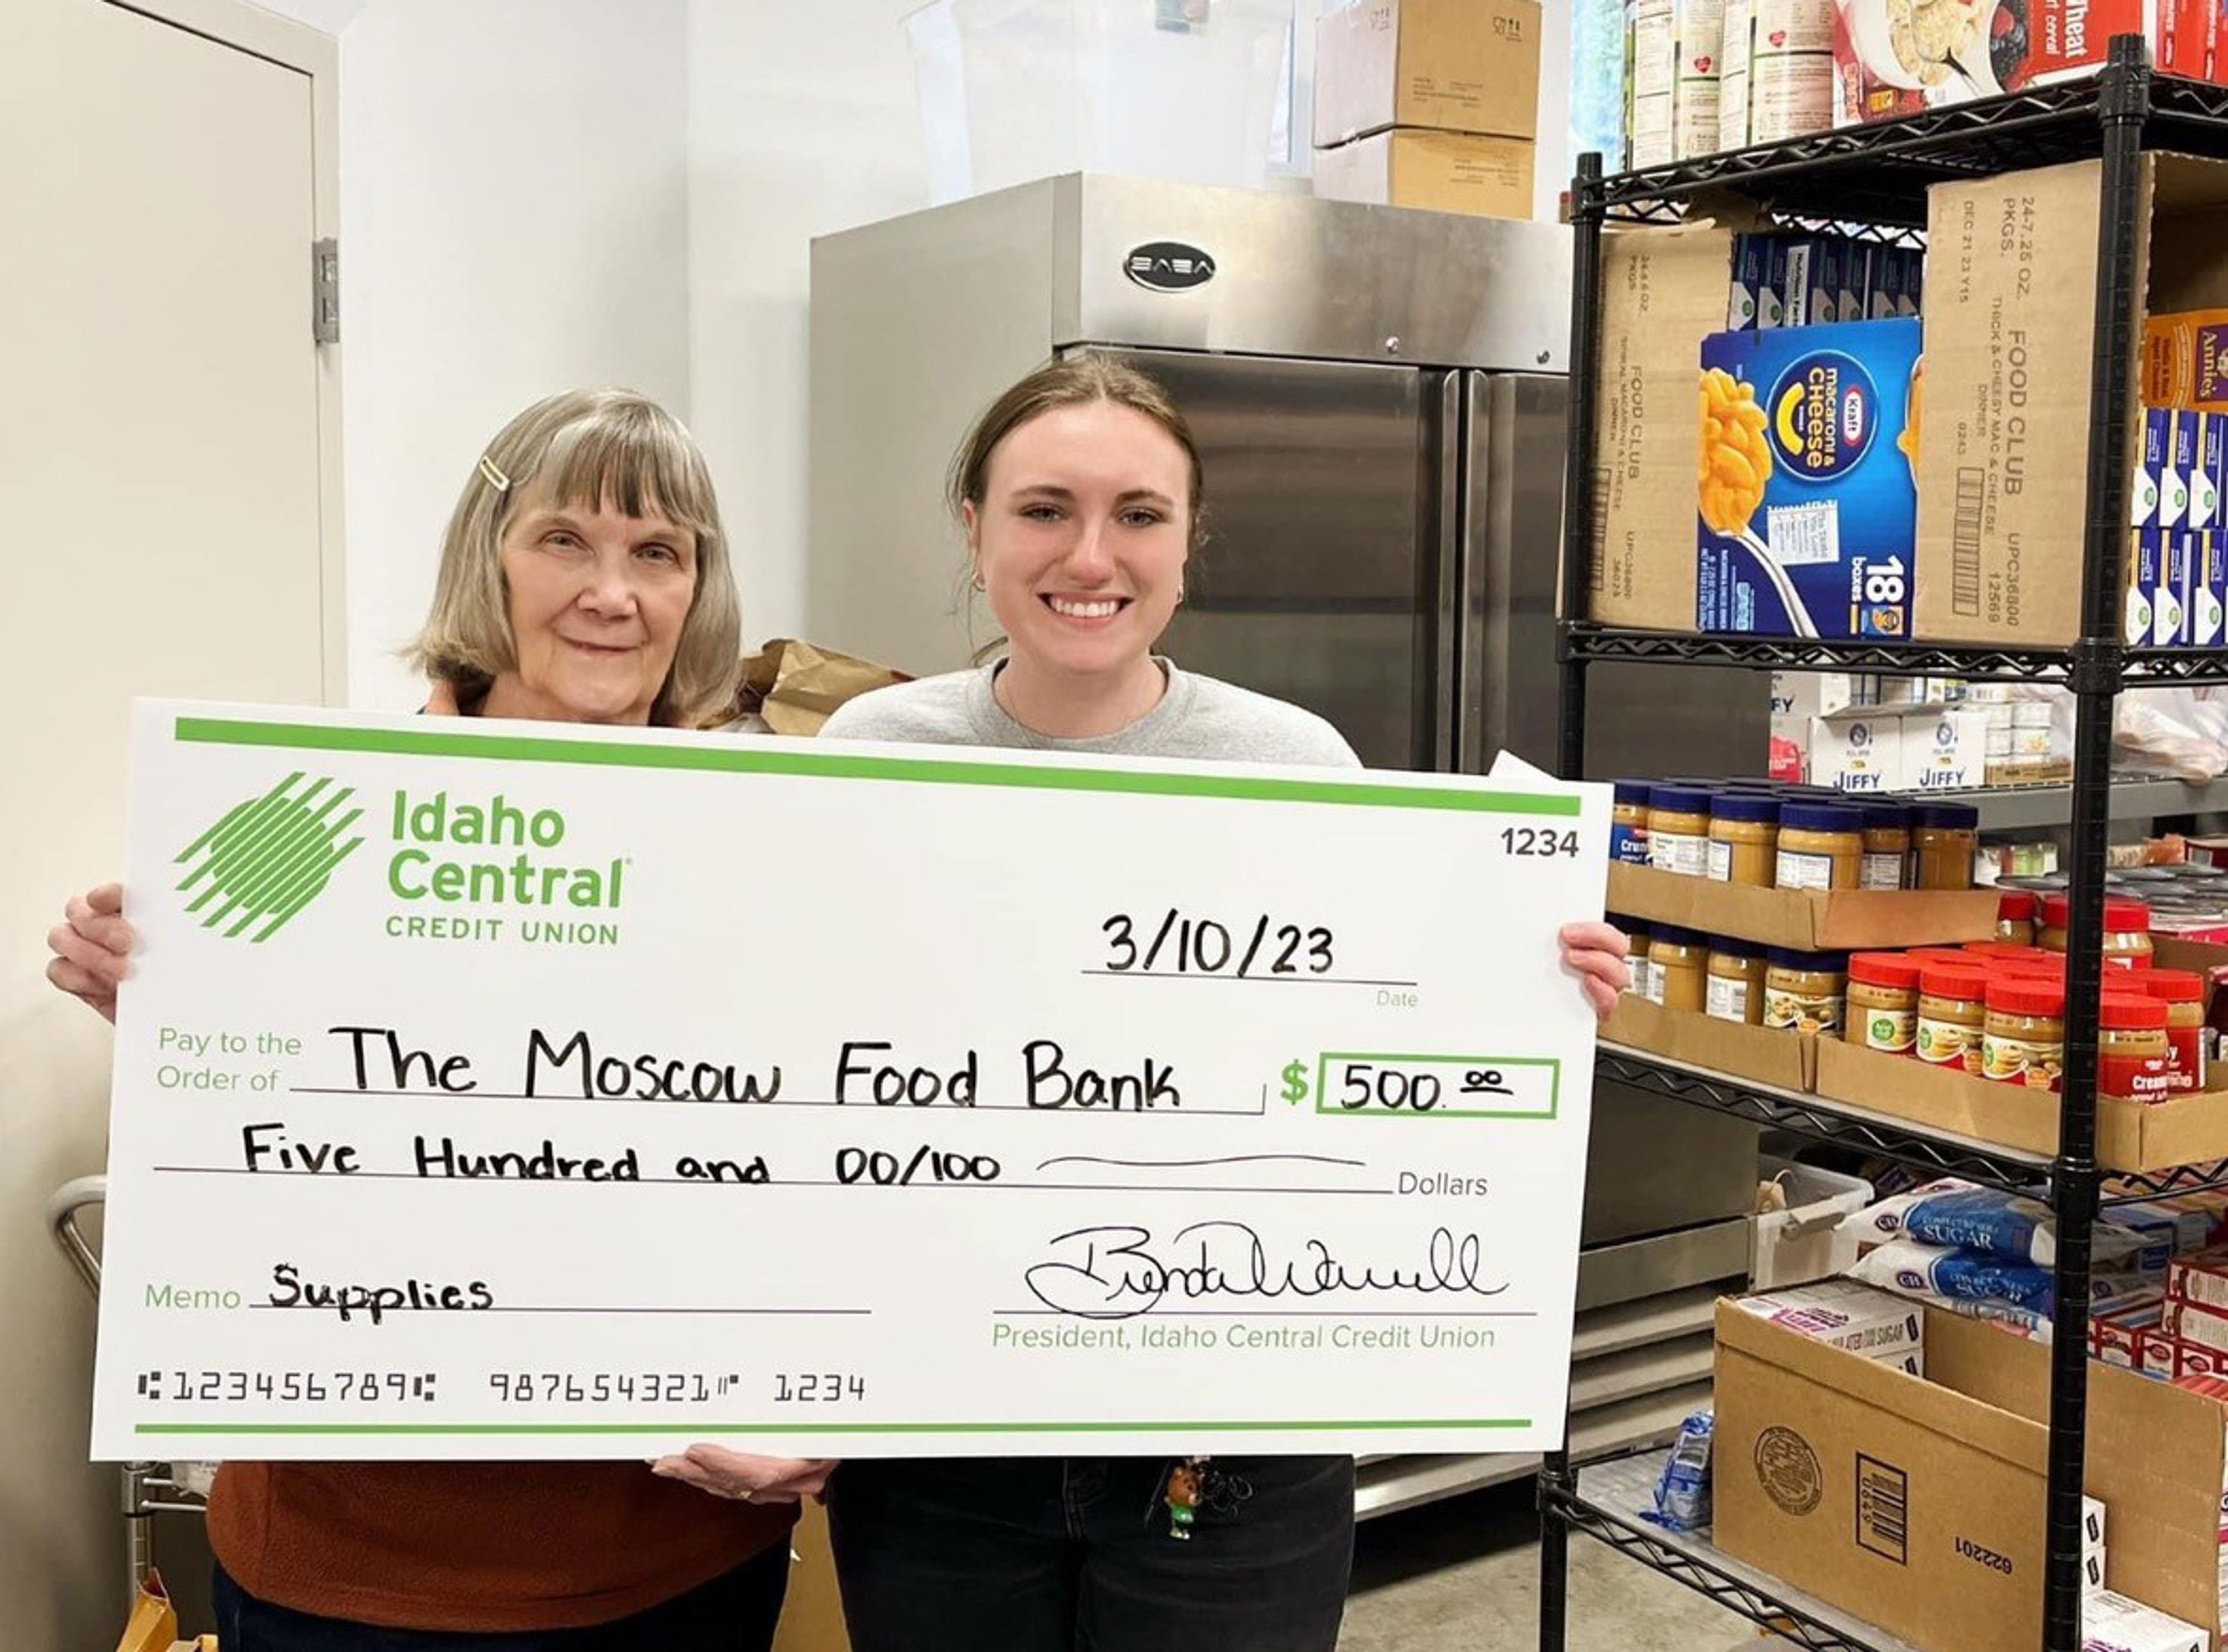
<point>1115,1272</point>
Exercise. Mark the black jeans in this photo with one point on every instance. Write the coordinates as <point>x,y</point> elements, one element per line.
<point>1074,1555</point>
<point>734,1612</point>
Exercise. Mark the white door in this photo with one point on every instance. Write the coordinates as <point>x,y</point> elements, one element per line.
<point>162,530</point>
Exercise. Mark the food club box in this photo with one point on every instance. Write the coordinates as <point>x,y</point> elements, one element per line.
<point>1808,505</point>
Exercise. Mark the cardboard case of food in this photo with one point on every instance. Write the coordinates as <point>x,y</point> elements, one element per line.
<point>1918,1504</point>
<point>1807,920</point>
<point>2131,1135</point>
<point>1463,65</point>
<point>2011,323</point>
<point>1767,1055</point>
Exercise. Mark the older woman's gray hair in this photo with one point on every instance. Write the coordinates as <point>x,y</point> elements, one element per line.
<point>591,449</point>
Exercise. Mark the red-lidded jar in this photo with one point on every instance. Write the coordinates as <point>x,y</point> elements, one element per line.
<point>2127,931</point>
<point>1882,1005</point>
<point>1953,1013</point>
<point>2024,1040</point>
<point>2182,991</point>
<point>2016,910</point>
<point>2131,1047</point>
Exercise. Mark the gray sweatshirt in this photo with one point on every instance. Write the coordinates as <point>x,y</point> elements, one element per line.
<point>1197,717</point>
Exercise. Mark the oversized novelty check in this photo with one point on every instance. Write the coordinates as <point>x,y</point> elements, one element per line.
<point>504,1090</point>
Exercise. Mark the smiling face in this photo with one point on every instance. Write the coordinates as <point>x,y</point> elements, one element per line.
<point>597,603</point>
<point>1080,538</point>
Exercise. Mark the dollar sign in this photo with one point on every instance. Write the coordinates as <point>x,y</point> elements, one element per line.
<point>1295,1082</point>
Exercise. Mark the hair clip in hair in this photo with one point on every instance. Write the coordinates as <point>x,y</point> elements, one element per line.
<point>495,478</point>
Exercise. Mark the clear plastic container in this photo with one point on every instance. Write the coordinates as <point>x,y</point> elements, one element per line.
<point>1012,91</point>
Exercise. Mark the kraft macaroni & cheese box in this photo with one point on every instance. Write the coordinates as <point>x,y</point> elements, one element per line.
<point>1807,503</point>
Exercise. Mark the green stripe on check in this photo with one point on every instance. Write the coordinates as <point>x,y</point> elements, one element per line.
<point>725,757</point>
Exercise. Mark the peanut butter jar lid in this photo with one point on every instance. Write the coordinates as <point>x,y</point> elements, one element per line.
<point>1958,981</point>
<point>1884,970</point>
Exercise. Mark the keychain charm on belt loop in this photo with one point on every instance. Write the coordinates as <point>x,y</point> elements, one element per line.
<point>1185,1482</point>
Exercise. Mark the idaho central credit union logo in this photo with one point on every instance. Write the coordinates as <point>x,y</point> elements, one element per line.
<point>269,856</point>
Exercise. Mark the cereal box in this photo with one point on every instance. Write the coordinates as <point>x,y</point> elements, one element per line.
<point>1909,293</point>
<point>1884,301</point>
<point>2195,1322</point>
<point>2186,360</point>
<point>2170,625</point>
<point>1904,56</point>
<point>1856,277</point>
<point>2199,1278</point>
<point>1751,261</point>
<point>2143,493</point>
<point>1771,290</point>
<point>2112,1623</point>
<point>2205,472</point>
<point>1807,503</point>
<point>1796,288</point>
<point>2149,567</point>
<point>2208,589</point>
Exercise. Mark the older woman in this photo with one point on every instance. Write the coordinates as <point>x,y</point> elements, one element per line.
<point>583,579</point>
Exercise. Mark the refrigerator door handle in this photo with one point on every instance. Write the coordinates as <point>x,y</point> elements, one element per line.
<point>1478,586</point>
<point>1445,472</point>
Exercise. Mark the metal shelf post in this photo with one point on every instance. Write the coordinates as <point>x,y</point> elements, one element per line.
<point>1878,175</point>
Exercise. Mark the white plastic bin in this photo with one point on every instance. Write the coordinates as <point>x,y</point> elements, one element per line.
<point>1804,1242</point>
<point>1014,90</point>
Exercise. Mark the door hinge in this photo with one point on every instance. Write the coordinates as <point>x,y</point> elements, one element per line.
<point>325,292</point>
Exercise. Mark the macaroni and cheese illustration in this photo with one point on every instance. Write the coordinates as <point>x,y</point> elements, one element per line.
<point>1805,495</point>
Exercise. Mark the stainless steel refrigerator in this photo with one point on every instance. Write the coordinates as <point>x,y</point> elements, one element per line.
<point>1379,400</point>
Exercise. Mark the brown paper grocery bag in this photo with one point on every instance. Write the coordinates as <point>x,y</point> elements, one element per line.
<point>153,1626</point>
<point>794,687</point>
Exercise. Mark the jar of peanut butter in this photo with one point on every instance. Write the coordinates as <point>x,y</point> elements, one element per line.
<point>2182,992</point>
<point>1736,984</point>
<point>1805,992</point>
<point>2023,1041</point>
<point>1821,846</point>
<point>2132,1051</point>
<point>1883,1006</point>
<point>1744,839</point>
<point>1953,1014</point>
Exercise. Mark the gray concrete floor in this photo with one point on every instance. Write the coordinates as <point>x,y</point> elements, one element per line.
<point>1463,1576</point>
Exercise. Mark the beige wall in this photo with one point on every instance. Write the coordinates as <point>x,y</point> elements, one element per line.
<point>164,447</point>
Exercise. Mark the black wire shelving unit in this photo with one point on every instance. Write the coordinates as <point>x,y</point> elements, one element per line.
<point>1874,180</point>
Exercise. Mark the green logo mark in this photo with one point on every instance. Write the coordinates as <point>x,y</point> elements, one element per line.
<point>271,856</point>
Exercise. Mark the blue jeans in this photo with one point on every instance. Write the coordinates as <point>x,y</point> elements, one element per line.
<point>1074,1555</point>
<point>735,1612</point>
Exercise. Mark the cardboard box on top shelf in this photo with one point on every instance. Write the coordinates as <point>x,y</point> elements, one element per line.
<point>2010,324</point>
<point>1663,291</point>
<point>1918,1504</point>
<point>1462,65</point>
<point>1488,177</point>
<point>1809,921</point>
